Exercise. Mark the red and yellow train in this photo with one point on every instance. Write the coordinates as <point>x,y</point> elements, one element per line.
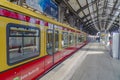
<point>31,43</point>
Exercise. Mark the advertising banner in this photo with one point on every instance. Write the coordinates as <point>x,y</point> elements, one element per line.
<point>44,6</point>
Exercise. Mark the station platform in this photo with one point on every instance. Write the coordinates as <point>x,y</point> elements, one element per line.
<point>92,62</point>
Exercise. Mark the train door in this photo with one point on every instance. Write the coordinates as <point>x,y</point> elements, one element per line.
<point>49,60</point>
<point>52,46</point>
<point>56,46</point>
<point>65,43</point>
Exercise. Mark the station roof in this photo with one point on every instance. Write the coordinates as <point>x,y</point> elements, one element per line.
<point>96,15</point>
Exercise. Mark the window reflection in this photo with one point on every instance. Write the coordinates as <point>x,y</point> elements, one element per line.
<point>23,43</point>
<point>56,41</point>
<point>65,39</point>
<point>71,39</point>
<point>49,41</point>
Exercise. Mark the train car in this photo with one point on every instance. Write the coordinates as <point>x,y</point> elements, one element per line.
<point>31,43</point>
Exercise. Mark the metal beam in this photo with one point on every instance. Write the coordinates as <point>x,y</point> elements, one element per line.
<point>71,9</point>
<point>113,10</point>
<point>90,19</point>
<point>86,6</point>
<point>80,8</point>
<point>91,13</point>
<point>98,14</point>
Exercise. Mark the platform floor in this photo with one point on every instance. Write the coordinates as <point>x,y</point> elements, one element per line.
<point>92,62</point>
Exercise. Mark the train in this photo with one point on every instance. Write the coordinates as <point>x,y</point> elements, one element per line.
<point>31,43</point>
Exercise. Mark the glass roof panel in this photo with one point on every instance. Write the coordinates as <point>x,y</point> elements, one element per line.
<point>86,11</point>
<point>89,1</point>
<point>101,3</point>
<point>81,14</point>
<point>95,19</point>
<point>82,2</point>
<point>90,21</point>
<point>110,3</point>
<point>100,7</point>
<point>100,11</point>
<point>85,20</point>
<point>91,9</point>
<point>88,17</point>
<point>118,7</point>
<point>94,7</point>
<point>74,4</point>
<point>117,13</point>
<point>95,14</point>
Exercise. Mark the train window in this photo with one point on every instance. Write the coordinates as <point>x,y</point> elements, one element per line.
<point>49,41</point>
<point>23,43</point>
<point>79,39</point>
<point>71,39</point>
<point>56,40</point>
<point>75,39</point>
<point>65,39</point>
<point>83,38</point>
